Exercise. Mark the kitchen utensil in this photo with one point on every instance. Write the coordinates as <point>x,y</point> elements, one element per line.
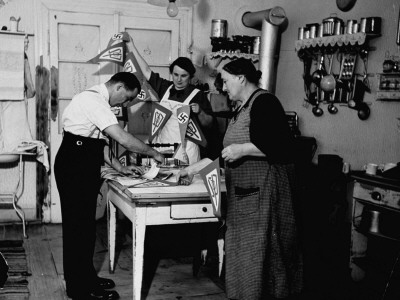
<point>363,111</point>
<point>307,62</point>
<point>320,72</point>
<point>328,82</point>
<point>317,111</point>
<point>373,25</point>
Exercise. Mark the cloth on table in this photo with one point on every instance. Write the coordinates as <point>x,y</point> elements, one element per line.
<point>15,134</point>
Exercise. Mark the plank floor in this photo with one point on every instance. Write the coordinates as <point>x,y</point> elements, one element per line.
<point>168,272</point>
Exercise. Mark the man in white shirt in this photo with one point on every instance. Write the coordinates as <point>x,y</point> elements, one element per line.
<point>87,121</point>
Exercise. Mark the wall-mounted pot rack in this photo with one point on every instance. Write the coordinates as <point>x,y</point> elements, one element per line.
<point>348,81</point>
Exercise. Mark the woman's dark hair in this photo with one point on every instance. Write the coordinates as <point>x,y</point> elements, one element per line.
<point>129,80</point>
<point>184,63</point>
<point>243,66</point>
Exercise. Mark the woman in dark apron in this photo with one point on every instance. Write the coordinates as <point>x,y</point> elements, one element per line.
<point>263,258</point>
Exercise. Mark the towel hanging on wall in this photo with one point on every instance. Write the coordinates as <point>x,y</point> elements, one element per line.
<point>12,67</point>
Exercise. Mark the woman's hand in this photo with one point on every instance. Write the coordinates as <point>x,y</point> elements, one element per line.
<point>195,107</point>
<point>232,152</point>
<point>131,170</point>
<point>183,177</point>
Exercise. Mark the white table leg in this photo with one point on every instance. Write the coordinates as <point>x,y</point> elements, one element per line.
<point>112,228</point>
<point>138,233</point>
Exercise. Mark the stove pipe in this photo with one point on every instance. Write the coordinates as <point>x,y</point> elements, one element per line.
<point>268,21</point>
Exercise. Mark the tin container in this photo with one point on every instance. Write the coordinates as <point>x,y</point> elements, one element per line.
<point>300,34</point>
<point>338,26</point>
<point>355,27</point>
<point>219,28</point>
<point>313,30</point>
<point>349,29</point>
<point>320,30</point>
<point>373,25</point>
<point>329,25</point>
<point>363,24</point>
<point>306,34</point>
<point>256,45</point>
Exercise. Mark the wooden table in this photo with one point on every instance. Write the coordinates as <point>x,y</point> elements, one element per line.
<point>155,206</point>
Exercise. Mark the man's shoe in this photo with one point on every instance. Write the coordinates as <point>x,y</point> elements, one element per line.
<point>97,294</point>
<point>105,283</point>
<point>101,294</point>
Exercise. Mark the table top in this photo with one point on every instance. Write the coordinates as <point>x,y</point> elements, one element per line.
<point>194,192</point>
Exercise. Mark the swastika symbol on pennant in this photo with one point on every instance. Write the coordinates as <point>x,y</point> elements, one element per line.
<point>183,117</point>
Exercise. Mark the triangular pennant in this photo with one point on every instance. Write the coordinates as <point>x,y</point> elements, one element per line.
<point>212,180</point>
<point>160,116</point>
<point>147,93</point>
<point>183,115</point>
<point>181,154</point>
<point>194,133</point>
<point>118,37</point>
<point>114,54</point>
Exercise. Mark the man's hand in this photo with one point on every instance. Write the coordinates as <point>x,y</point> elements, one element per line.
<point>132,170</point>
<point>158,157</point>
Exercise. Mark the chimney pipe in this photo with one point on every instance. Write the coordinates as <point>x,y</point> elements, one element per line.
<point>268,21</point>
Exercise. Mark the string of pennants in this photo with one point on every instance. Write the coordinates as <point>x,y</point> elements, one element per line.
<point>116,53</point>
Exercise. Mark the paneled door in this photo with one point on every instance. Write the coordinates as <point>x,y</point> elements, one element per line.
<point>74,39</point>
<point>158,43</point>
<point>77,37</point>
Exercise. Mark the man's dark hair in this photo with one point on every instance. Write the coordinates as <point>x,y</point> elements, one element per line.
<point>129,80</point>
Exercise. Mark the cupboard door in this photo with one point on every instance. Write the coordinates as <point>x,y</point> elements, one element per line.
<point>159,45</point>
<point>74,39</point>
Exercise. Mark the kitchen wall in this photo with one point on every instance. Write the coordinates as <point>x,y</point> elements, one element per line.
<point>375,140</point>
<point>357,142</point>
<point>9,172</point>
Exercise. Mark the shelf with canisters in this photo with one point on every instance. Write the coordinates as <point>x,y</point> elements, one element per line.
<point>214,58</point>
<point>355,39</point>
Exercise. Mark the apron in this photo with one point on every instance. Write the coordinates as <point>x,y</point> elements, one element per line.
<point>170,132</point>
<point>260,244</point>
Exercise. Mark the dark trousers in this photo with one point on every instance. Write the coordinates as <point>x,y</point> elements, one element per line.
<point>77,173</point>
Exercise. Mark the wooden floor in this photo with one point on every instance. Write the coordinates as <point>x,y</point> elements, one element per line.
<point>166,276</point>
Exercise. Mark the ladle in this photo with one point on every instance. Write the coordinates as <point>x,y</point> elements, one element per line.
<point>319,73</point>
<point>328,84</point>
<point>316,110</point>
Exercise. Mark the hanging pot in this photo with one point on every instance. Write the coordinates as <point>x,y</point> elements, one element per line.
<point>363,111</point>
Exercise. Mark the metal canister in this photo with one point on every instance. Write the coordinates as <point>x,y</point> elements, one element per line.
<point>320,30</point>
<point>313,30</point>
<point>256,45</point>
<point>355,27</point>
<point>300,35</point>
<point>306,34</point>
<point>338,26</point>
<point>350,26</point>
<point>328,24</point>
<point>219,28</point>
<point>363,24</point>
